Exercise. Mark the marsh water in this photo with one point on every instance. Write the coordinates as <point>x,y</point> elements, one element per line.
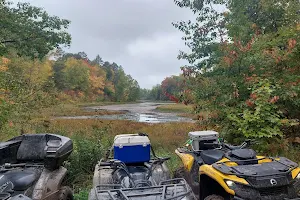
<point>140,112</point>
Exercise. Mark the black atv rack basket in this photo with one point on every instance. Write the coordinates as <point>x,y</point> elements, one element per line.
<point>173,189</point>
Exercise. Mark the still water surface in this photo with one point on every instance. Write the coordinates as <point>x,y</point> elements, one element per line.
<point>140,112</point>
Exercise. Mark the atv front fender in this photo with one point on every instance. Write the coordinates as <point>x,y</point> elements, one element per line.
<point>187,160</point>
<point>49,184</point>
<point>92,194</point>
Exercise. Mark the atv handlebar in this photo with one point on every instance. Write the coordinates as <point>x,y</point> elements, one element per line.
<point>232,147</point>
<point>164,159</point>
<point>245,144</point>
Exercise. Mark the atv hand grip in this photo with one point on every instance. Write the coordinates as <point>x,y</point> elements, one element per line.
<point>106,164</point>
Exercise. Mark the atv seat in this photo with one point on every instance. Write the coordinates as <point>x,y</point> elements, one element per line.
<point>243,156</point>
<point>49,149</point>
<point>8,151</point>
<point>211,156</point>
<point>32,148</point>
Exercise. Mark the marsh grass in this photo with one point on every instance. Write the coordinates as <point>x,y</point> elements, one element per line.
<point>178,108</point>
<point>71,110</point>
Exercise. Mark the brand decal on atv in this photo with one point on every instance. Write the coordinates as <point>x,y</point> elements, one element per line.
<point>273,182</point>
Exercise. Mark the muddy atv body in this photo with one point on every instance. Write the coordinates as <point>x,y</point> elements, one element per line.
<point>133,173</point>
<point>219,171</point>
<point>31,167</point>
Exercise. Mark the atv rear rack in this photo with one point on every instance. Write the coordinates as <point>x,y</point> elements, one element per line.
<point>7,196</point>
<point>174,189</point>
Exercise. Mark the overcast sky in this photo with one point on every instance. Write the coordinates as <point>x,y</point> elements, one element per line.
<point>136,34</point>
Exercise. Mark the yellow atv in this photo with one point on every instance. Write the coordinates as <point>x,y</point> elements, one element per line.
<point>219,171</point>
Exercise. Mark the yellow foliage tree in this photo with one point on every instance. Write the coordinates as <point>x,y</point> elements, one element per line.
<point>83,78</point>
<point>76,75</point>
<point>24,87</point>
<point>97,80</point>
<point>35,72</point>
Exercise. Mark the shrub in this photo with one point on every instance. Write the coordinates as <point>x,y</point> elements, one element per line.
<point>82,195</point>
<point>86,153</point>
<point>259,116</point>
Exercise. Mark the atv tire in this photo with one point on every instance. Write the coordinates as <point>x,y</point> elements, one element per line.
<point>179,173</point>
<point>65,193</point>
<point>214,197</point>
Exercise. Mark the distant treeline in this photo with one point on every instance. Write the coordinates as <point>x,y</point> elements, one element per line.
<point>170,89</point>
<point>78,76</point>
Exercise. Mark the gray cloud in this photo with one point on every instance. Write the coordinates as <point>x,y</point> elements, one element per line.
<point>136,34</point>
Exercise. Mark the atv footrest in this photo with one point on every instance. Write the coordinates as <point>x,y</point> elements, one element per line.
<point>172,189</point>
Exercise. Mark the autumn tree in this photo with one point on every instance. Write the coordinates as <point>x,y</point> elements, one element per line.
<point>156,93</point>
<point>173,87</point>
<point>97,61</point>
<point>133,89</point>
<point>97,80</point>
<point>236,45</point>
<point>26,86</point>
<point>120,84</point>
<point>76,75</point>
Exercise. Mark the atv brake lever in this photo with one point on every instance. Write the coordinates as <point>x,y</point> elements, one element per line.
<point>161,160</point>
<point>165,159</point>
<point>243,145</point>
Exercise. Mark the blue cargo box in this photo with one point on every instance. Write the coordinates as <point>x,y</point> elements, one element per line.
<point>132,148</point>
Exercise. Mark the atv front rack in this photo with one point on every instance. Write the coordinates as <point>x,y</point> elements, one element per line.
<point>174,189</point>
<point>286,167</point>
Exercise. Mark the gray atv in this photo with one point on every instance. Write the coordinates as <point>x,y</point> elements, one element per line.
<point>130,172</point>
<point>31,167</point>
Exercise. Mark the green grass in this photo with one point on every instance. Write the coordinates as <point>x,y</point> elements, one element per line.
<point>103,103</point>
<point>83,194</point>
<point>174,162</point>
<point>177,108</point>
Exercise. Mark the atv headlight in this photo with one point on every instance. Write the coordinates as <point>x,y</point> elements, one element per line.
<point>230,183</point>
<point>298,176</point>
